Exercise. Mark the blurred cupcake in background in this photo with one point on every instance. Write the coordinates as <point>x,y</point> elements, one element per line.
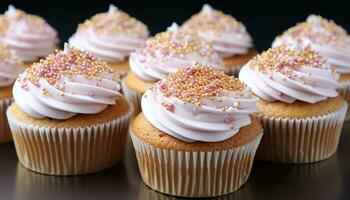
<point>229,37</point>
<point>10,67</point>
<point>300,109</point>
<point>197,135</point>
<point>329,39</point>
<point>111,36</point>
<point>163,54</point>
<point>29,35</point>
<point>69,108</point>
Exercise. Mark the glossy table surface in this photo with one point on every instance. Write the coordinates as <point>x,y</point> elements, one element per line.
<point>329,179</point>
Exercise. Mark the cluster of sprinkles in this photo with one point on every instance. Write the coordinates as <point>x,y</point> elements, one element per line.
<point>286,60</point>
<point>13,15</point>
<point>67,63</point>
<point>8,56</point>
<point>113,22</point>
<point>196,82</point>
<point>319,30</point>
<point>177,42</point>
<point>211,19</point>
<point>283,58</point>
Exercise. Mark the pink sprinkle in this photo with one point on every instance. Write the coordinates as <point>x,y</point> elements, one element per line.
<point>162,86</point>
<point>142,60</point>
<point>171,107</point>
<point>91,94</point>
<point>37,84</point>
<point>191,70</point>
<point>228,119</point>
<point>24,86</point>
<point>280,94</point>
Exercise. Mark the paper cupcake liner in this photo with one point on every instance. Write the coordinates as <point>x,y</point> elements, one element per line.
<point>133,96</point>
<point>345,93</point>
<point>194,174</point>
<point>5,133</point>
<point>69,151</point>
<point>301,140</point>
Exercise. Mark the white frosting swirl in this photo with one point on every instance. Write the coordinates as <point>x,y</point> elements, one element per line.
<point>110,36</point>
<point>10,66</point>
<point>66,88</point>
<point>170,51</point>
<point>216,118</point>
<point>322,35</point>
<point>228,36</point>
<point>289,75</point>
<point>29,35</point>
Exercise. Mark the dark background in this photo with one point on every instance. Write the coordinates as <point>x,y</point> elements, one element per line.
<point>264,19</point>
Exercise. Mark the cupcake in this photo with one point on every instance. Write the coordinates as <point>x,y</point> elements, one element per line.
<point>330,40</point>
<point>29,35</point>
<point>229,37</point>
<point>300,109</point>
<point>68,117</point>
<point>10,67</point>
<point>197,136</point>
<point>162,54</point>
<point>111,36</point>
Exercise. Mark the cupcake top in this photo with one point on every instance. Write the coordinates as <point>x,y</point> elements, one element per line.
<point>170,51</point>
<point>64,84</point>
<point>110,36</point>
<point>324,36</point>
<point>288,74</point>
<point>229,36</point>
<point>10,66</point>
<point>29,35</point>
<point>198,103</point>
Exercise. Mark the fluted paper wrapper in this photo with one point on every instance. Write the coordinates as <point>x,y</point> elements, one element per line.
<point>5,133</point>
<point>345,93</point>
<point>69,151</point>
<point>134,97</point>
<point>194,174</point>
<point>301,140</point>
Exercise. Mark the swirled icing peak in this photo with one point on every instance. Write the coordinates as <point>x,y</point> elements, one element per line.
<point>169,51</point>
<point>198,103</point>
<point>229,36</point>
<point>320,31</point>
<point>288,74</point>
<point>324,36</point>
<point>10,66</point>
<point>114,21</point>
<point>64,84</point>
<point>211,19</point>
<point>111,36</point>
<point>29,35</point>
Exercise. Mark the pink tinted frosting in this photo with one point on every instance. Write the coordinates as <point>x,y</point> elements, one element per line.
<point>29,35</point>
<point>110,36</point>
<point>285,74</point>
<point>324,36</point>
<point>10,66</point>
<point>228,36</point>
<point>170,51</point>
<point>199,104</point>
<point>64,84</point>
